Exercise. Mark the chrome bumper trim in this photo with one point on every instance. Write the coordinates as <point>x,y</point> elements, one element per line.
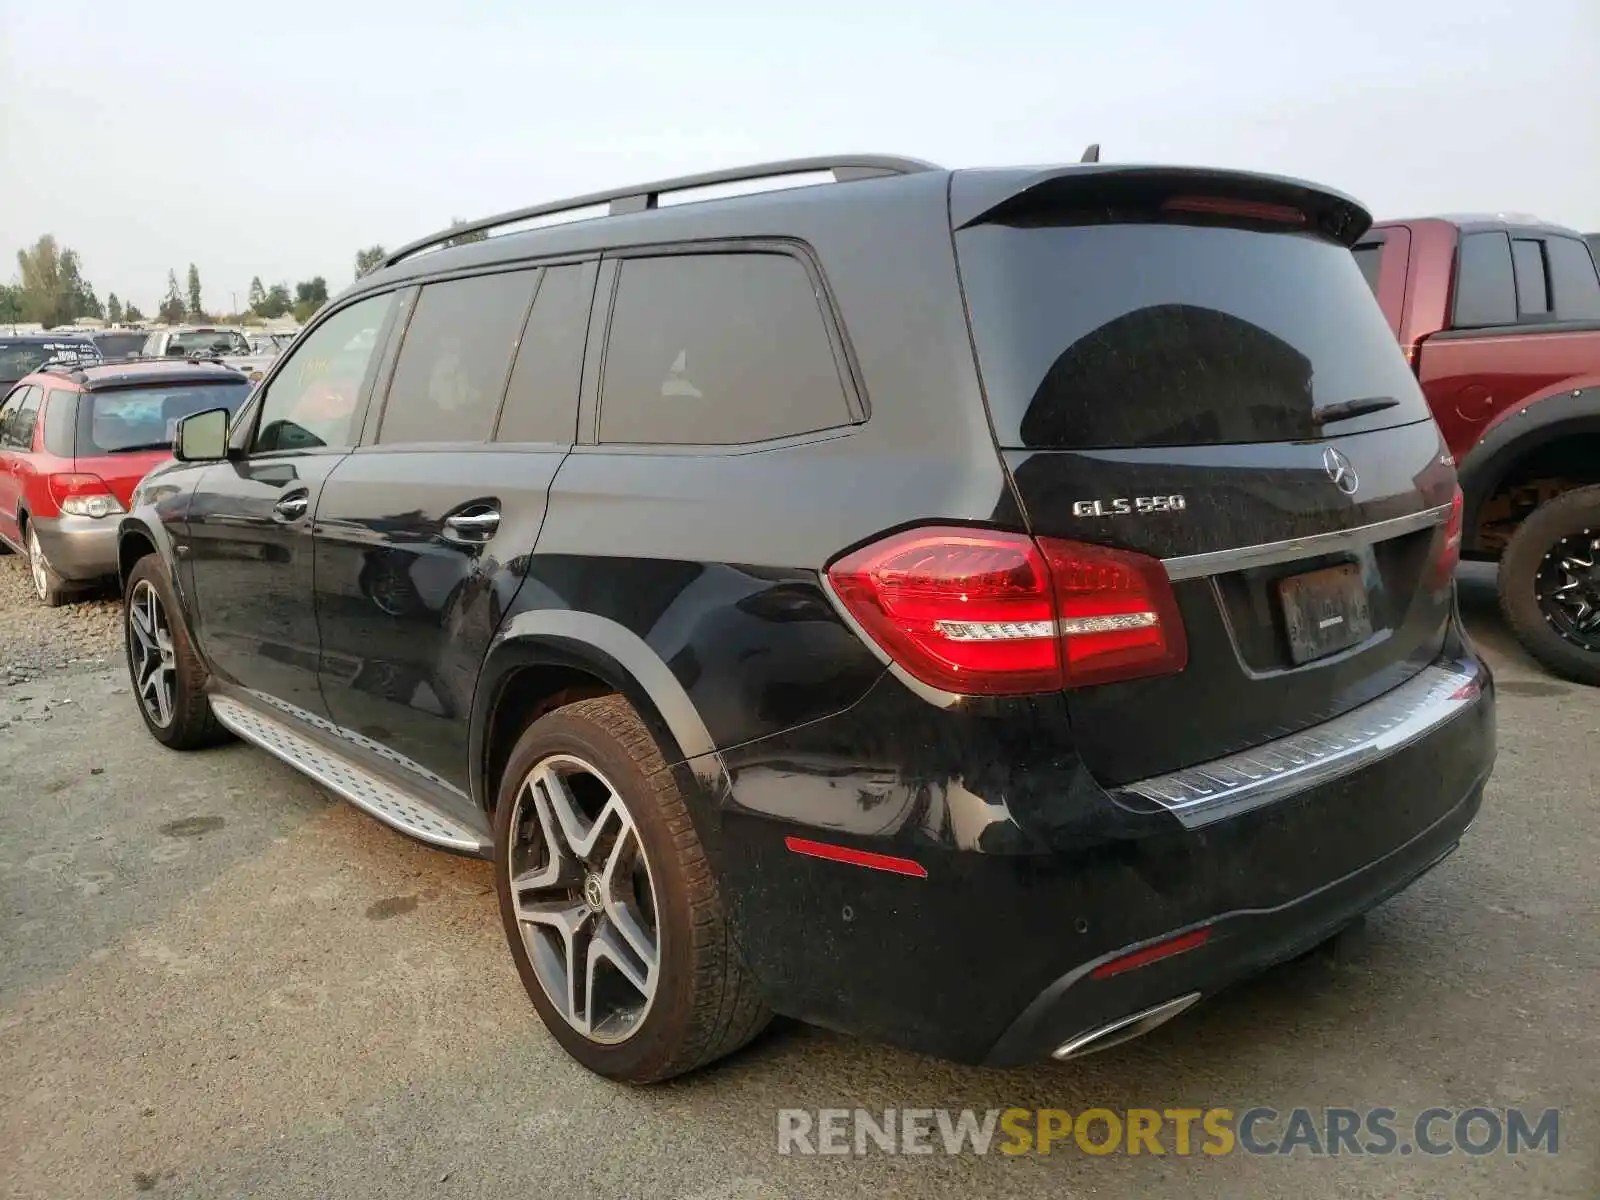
<point>1226,786</point>
<point>1217,562</point>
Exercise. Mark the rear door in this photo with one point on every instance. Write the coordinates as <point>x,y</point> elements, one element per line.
<point>1192,370</point>
<point>423,533</point>
<point>11,464</point>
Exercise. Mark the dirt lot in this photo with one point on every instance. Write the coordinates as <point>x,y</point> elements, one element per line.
<point>216,980</point>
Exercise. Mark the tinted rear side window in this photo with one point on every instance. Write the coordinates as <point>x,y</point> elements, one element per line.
<point>124,420</point>
<point>718,349</point>
<point>60,421</point>
<point>1485,291</point>
<point>1533,293</point>
<point>1369,257</point>
<point>454,362</point>
<point>1162,335</point>
<point>542,401</point>
<point>1574,285</point>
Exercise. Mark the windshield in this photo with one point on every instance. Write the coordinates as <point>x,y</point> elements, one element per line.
<point>207,341</point>
<point>109,422</point>
<point>22,358</point>
<point>119,345</point>
<point>1127,336</point>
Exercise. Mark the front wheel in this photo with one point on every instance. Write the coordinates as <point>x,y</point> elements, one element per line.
<point>611,910</point>
<point>1550,584</point>
<point>167,675</point>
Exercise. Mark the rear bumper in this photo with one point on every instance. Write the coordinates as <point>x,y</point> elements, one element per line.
<point>1035,875</point>
<point>81,549</point>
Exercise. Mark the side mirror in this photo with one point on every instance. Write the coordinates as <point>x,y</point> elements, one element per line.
<point>202,437</point>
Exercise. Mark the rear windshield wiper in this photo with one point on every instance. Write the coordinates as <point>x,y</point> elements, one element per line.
<point>137,446</point>
<point>1345,409</point>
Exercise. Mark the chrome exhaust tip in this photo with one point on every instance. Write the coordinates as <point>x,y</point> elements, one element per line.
<point>1124,1030</point>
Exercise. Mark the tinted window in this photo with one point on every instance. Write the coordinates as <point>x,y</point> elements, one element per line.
<point>60,421</point>
<point>312,400</point>
<point>207,341</point>
<point>542,401</point>
<point>146,418</point>
<point>452,368</point>
<point>119,345</point>
<point>19,429</point>
<point>717,349</point>
<point>1163,335</point>
<point>1369,257</point>
<point>1533,295</point>
<point>1485,293</point>
<point>1574,285</point>
<point>8,414</point>
<point>23,358</point>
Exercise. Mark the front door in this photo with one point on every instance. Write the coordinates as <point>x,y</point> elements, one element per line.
<point>423,534</point>
<point>248,548</point>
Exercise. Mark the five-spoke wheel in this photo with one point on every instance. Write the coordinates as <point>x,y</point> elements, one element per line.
<point>151,660</point>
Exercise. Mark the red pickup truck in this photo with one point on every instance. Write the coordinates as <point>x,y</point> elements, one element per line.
<point>1500,319</point>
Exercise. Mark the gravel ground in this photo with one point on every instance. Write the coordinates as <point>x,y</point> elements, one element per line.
<point>35,640</point>
<point>218,981</point>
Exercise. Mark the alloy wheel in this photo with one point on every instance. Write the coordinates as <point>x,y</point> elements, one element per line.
<point>1568,589</point>
<point>151,654</point>
<point>37,566</point>
<point>584,898</point>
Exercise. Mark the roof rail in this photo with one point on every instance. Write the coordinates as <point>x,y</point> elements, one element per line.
<point>643,197</point>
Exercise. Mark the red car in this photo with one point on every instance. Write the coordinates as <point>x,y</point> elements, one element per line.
<point>74,443</point>
<point>1500,319</point>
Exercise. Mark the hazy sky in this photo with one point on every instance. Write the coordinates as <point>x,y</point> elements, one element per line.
<point>275,139</point>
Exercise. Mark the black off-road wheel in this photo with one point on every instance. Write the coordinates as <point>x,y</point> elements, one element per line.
<point>1550,585</point>
<point>610,907</point>
<point>166,674</point>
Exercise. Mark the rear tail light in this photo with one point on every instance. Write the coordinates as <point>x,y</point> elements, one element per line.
<point>83,496</point>
<point>1222,206</point>
<point>1450,553</point>
<point>983,612</point>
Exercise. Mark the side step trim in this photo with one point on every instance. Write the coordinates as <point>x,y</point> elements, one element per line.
<point>378,797</point>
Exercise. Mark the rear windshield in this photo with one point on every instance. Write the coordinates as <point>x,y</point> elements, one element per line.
<point>119,345</point>
<point>210,341</point>
<point>1168,335</point>
<point>144,418</point>
<point>23,358</point>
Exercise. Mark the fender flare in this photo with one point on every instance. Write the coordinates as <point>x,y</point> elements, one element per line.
<point>615,654</point>
<point>1516,434</point>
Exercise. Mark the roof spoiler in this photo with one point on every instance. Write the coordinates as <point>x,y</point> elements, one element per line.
<point>1101,192</point>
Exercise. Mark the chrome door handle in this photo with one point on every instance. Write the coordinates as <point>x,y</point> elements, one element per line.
<point>290,508</point>
<point>471,527</point>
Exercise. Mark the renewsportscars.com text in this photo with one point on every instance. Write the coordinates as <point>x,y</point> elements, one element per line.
<point>1313,1132</point>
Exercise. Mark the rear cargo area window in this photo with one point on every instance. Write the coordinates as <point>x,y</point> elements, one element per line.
<point>1485,291</point>
<point>453,364</point>
<point>1533,293</point>
<point>1139,335</point>
<point>717,349</point>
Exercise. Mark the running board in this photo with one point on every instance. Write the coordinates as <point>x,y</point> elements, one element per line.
<point>390,804</point>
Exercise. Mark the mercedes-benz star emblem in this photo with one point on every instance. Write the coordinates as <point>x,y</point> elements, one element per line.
<point>1341,470</point>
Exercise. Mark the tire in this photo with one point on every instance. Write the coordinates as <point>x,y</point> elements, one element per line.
<point>1572,514</point>
<point>703,1002</point>
<point>189,723</point>
<point>48,587</point>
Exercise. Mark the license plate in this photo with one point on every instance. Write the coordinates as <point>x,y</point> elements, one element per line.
<point>1325,612</point>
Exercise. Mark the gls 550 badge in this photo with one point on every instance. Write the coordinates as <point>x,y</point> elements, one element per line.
<point>1127,506</point>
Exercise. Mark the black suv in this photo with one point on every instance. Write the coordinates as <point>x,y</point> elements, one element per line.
<point>981,610</point>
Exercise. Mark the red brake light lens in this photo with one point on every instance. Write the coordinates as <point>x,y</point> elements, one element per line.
<point>83,495</point>
<point>984,612</point>
<point>1222,206</point>
<point>1454,527</point>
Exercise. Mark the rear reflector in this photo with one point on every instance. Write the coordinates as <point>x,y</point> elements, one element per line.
<point>986,612</point>
<point>1150,954</point>
<point>1450,553</point>
<point>856,858</point>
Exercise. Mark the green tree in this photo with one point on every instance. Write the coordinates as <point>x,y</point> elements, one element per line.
<point>49,291</point>
<point>113,309</point>
<point>172,308</point>
<point>258,297</point>
<point>309,295</point>
<point>10,303</point>
<point>277,302</point>
<point>369,260</point>
<point>465,238</point>
<point>131,314</point>
<point>197,310</point>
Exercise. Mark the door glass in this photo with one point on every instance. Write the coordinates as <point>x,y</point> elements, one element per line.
<point>8,413</point>
<point>1533,296</point>
<point>542,401</point>
<point>311,402</point>
<point>19,430</point>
